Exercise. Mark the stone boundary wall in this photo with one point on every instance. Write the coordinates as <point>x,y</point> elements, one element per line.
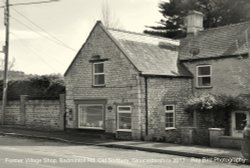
<point>35,114</point>
<point>219,140</point>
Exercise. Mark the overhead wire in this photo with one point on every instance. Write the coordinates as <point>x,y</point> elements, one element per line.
<point>31,3</point>
<point>45,34</point>
<point>35,52</point>
<point>28,27</point>
<point>43,30</point>
<point>37,32</point>
<point>41,34</point>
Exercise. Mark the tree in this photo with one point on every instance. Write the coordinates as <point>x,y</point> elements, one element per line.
<point>11,64</point>
<point>216,13</point>
<point>108,17</point>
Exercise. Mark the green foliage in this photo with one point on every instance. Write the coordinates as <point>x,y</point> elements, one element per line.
<point>216,13</point>
<point>46,87</point>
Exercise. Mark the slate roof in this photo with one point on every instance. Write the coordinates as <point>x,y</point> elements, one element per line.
<point>151,55</point>
<point>216,42</point>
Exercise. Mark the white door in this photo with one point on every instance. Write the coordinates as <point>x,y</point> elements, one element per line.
<point>239,121</point>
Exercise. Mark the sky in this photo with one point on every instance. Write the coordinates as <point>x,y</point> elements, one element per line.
<point>33,29</point>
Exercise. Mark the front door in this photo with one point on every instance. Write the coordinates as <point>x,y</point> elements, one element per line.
<point>239,121</point>
<point>91,116</point>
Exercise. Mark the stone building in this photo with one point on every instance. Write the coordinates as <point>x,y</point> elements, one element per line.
<point>127,84</point>
<point>135,86</point>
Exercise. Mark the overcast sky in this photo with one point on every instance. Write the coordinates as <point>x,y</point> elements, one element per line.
<point>69,21</point>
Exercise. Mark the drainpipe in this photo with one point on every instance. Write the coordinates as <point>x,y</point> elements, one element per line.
<point>139,105</point>
<point>146,105</point>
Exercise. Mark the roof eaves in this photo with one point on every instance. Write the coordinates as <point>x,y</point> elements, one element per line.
<point>246,54</point>
<point>166,76</point>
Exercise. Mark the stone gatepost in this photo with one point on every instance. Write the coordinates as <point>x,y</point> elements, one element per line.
<point>23,99</point>
<point>62,111</point>
<point>187,135</point>
<point>214,135</point>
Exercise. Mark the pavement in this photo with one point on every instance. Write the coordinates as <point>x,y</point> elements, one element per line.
<point>75,138</point>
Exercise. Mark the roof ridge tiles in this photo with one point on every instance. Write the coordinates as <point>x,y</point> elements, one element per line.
<point>141,34</point>
<point>225,26</point>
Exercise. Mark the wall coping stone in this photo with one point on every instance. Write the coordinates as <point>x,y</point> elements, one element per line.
<point>231,137</point>
<point>216,129</point>
<point>188,127</point>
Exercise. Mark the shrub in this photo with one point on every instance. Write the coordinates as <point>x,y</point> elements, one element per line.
<point>37,87</point>
<point>215,109</point>
<point>209,102</point>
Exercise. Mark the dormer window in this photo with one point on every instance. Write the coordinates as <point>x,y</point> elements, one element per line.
<point>203,75</point>
<point>98,74</point>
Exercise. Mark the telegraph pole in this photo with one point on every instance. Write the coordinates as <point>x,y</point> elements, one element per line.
<point>6,47</point>
<point>6,59</point>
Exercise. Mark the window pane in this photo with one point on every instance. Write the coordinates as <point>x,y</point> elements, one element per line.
<point>169,125</point>
<point>91,116</point>
<point>99,68</point>
<point>124,109</point>
<point>241,120</point>
<point>169,115</point>
<point>169,120</point>
<point>204,70</point>
<point>169,108</point>
<point>99,79</point>
<point>124,120</point>
<point>204,81</point>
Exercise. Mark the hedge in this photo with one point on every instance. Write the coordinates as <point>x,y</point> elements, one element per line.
<point>47,87</point>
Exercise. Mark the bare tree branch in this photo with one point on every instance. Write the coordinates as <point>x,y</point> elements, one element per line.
<point>11,64</point>
<point>108,17</point>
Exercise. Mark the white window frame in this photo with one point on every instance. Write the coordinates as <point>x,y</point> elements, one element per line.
<point>95,74</point>
<point>126,112</point>
<point>170,111</point>
<point>201,76</point>
<point>87,105</point>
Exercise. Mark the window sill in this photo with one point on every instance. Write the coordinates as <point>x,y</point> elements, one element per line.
<point>204,87</point>
<point>124,130</point>
<point>91,128</point>
<point>172,128</point>
<point>98,86</point>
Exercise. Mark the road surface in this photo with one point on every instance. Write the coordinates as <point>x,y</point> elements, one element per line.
<point>34,153</point>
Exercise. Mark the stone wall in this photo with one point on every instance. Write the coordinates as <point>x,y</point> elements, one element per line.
<point>230,76</point>
<point>123,86</point>
<point>168,91</point>
<point>36,114</point>
<point>219,140</point>
<point>122,83</point>
<point>13,114</point>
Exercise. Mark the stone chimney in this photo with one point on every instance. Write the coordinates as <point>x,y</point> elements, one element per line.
<point>194,22</point>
